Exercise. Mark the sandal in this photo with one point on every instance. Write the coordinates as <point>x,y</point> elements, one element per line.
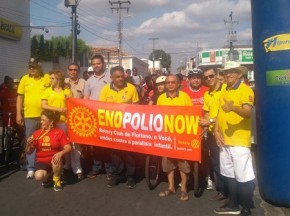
<point>184,196</point>
<point>167,193</point>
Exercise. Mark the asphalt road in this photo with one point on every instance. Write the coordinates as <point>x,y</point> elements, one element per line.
<point>20,196</point>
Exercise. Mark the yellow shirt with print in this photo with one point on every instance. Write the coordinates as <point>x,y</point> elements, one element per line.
<point>127,95</point>
<point>211,103</point>
<point>32,90</point>
<point>236,130</point>
<point>181,99</point>
<point>57,99</point>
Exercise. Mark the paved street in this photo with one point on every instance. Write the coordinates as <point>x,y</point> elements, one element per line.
<point>20,196</point>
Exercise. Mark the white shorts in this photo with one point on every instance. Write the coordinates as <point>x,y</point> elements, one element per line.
<point>236,162</point>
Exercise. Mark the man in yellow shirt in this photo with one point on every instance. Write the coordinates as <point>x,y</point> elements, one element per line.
<point>119,91</point>
<point>233,136</point>
<point>211,108</point>
<point>174,97</point>
<point>30,90</point>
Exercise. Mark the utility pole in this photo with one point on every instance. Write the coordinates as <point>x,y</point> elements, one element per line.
<point>232,37</point>
<point>73,5</point>
<point>153,55</point>
<point>119,9</point>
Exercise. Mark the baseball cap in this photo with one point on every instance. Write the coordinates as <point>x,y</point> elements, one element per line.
<point>90,69</point>
<point>160,79</point>
<point>35,62</point>
<point>194,72</point>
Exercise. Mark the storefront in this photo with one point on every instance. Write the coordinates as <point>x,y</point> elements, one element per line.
<point>14,38</point>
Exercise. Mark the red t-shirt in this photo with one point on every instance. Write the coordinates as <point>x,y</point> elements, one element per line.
<point>49,143</point>
<point>8,103</point>
<point>196,95</point>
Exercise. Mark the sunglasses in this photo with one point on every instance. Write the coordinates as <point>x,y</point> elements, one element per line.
<point>32,67</point>
<point>170,82</point>
<point>209,77</point>
<point>73,69</point>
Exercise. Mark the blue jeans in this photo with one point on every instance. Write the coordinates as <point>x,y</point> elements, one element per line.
<point>31,125</point>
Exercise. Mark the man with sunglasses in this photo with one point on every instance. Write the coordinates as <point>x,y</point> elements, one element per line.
<point>30,90</point>
<point>233,136</point>
<point>76,85</point>
<point>211,107</point>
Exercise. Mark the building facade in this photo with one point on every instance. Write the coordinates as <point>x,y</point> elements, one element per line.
<point>14,38</point>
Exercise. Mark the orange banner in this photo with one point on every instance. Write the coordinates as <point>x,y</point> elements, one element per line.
<point>170,131</point>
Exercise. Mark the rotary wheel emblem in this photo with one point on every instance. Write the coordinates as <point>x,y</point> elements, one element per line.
<point>195,143</point>
<point>83,122</point>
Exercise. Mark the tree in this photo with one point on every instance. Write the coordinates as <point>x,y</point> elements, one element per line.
<point>163,57</point>
<point>50,50</point>
<point>34,46</point>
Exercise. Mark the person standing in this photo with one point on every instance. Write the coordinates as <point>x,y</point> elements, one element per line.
<point>195,88</point>
<point>92,91</point>
<point>118,91</point>
<point>76,85</point>
<point>233,136</point>
<point>211,108</point>
<point>30,90</point>
<point>174,97</point>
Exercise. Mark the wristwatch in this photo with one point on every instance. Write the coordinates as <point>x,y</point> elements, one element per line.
<point>211,120</point>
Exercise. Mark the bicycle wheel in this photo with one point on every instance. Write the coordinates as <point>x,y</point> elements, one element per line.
<point>7,147</point>
<point>152,171</point>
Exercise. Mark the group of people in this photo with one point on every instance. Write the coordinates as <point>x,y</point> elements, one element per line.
<point>226,125</point>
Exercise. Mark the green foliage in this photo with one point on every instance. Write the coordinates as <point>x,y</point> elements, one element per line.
<point>50,50</point>
<point>163,57</point>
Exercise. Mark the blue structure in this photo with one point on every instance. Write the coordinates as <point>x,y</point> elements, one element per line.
<point>271,44</point>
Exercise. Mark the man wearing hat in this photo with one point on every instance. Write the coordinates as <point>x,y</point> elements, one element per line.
<point>233,136</point>
<point>30,90</point>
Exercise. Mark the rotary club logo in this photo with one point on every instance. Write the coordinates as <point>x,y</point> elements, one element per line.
<point>46,139</point>
<point>195,143</point>
<point>82,122</point>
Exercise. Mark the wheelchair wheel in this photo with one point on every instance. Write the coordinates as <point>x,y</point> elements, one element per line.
<point>152,171</point>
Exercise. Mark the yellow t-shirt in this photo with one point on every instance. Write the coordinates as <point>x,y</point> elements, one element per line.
<point>127,95</point>
<point>236,130</point>
<point>57,99</point>
<point>181,99</point>
<point>32,90</point>
<point>211,103</point>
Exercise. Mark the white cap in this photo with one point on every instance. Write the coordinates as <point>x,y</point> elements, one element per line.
<point>160,79</point>
<point>90,69</point>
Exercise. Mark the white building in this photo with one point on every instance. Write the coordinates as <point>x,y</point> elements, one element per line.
<point>14,38</point>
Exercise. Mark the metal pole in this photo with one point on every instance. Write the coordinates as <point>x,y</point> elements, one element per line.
<point>74,34</point>
<point>120,38</point>
<point>153,55</point>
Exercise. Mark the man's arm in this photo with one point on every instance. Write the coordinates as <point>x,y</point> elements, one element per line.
<point>19,106</point>
<point>243,111</point>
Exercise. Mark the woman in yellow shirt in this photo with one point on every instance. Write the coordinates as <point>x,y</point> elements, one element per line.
<point>54,98</point>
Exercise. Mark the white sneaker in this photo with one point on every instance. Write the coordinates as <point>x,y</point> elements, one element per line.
<point>30,174</point>
<point>209,184</point>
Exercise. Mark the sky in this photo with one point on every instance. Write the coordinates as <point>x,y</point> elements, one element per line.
<point>181,27</point>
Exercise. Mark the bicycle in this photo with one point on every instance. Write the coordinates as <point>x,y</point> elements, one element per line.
<point>153,174</point>
<point>11,142</point>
